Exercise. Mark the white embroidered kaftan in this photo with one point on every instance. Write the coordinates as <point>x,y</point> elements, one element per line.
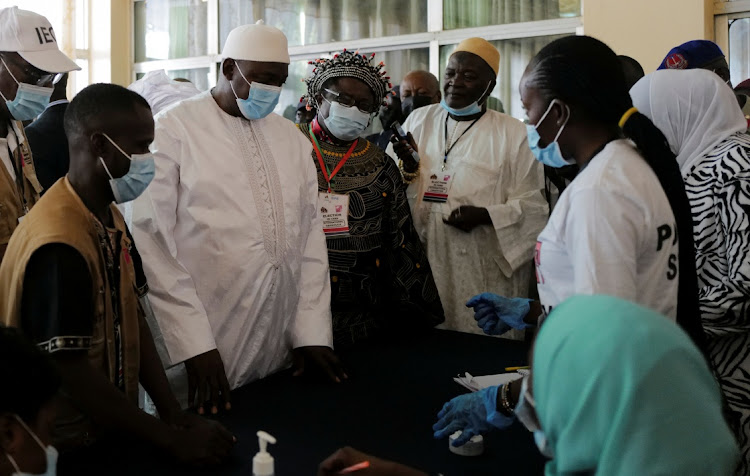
<point>231,240</point>
<point>492,167</point>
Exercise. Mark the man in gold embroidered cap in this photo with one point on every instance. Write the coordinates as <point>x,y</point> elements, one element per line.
<point>476,193</point>
<point>231,238</point>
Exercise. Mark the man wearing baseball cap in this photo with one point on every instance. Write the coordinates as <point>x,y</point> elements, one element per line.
<point>698,54</point>
<point>229,231</point>
<point>30,62</point>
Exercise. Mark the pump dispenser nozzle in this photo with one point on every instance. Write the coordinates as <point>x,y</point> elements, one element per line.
<point>263,461</point>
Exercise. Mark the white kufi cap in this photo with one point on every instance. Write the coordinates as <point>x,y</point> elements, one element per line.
<point>258,42</point>
<point>31,36</point>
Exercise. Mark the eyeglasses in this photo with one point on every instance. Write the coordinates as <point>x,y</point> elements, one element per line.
<point>31,75</point>
<point>364,106</point>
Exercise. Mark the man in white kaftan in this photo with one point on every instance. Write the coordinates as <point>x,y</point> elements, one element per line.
<point>481,239</point>
<point>229,232</point>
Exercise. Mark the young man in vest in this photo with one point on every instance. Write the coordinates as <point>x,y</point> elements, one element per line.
<point>68,281</point>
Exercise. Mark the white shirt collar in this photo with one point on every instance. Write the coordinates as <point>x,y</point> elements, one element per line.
<point>55,103</point>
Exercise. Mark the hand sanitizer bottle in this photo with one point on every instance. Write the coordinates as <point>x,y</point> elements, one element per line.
<point>263,461</point>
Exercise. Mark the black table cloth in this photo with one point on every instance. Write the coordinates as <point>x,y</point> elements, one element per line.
<point>386,408</point>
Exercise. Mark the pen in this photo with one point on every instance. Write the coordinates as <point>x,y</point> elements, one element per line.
<point>356,467</point>
<point>511,369</point>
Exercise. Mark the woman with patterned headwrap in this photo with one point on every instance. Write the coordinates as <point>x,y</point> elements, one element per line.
<point>381,282</point>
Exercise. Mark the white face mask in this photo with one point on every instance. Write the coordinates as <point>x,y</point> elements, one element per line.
<point>30,100</point>
<point>344,122</point>
<point>140,174</point>
<point>49,451</point>
<point>526,412</point>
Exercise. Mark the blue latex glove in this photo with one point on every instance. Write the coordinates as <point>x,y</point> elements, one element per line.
<point>473,413</point>
<point>496,315</point>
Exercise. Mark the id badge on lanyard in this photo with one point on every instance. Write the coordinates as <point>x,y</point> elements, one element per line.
<point>440,181</point>
<point>334,208</point>
<point>438,187</point>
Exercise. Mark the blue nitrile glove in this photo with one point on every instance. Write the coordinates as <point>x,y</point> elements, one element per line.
<point>473,413</point>
<point>498,314</point>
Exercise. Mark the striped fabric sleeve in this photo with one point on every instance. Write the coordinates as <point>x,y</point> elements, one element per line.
<point>57,307</point>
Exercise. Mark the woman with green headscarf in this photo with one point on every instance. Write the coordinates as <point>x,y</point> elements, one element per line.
<point>620,390</point>
<point>628,394</point>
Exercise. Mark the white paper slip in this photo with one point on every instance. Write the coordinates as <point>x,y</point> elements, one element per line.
<point>478,383</point>
<point>334,208</point>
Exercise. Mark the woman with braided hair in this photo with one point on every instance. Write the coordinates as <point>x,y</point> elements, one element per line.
<point>622,228</point>
<point>381,282</point>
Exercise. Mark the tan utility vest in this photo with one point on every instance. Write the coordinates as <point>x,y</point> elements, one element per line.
<point>61,217</point>
<point>11,203</point>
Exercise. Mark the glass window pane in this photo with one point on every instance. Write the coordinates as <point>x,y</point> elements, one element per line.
<point>79,79</point>
<point>197,76</point>
<point>168,29</point>
<point>473,13</point>
<point>308,22</point>
<point>397,64</point>
<point>739,50</point>
<point>81,25</point>
<point>515,55</point>
<point>293,89</point>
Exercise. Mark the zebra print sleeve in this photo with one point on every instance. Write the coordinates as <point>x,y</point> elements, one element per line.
<point>725,294</point>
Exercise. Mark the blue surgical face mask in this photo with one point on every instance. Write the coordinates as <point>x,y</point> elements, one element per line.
<point>30,100</point>
<point>261,100</point>
<point>470,110</point>
<point>550,155</point>
<point>526,412</point>
<point>346,123</point>
<point>49,451</point>
<point>131,185</point>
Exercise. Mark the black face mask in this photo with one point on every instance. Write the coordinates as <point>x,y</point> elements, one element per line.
<point>388,116</point>
<point>414,102</point>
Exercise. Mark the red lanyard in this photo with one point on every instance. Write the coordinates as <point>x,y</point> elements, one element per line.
<point>323,168</point>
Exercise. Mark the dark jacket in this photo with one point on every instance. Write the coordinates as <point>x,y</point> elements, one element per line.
<point>49,145</point>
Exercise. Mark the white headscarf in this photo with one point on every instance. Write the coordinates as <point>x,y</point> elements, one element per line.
<point>694,109</point>
<point>161,91</point>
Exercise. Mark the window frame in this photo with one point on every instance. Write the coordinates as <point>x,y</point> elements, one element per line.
<point>434,38</point>
<point>725,12</point>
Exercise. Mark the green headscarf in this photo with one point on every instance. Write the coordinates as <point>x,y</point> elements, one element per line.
<point>621,390</point>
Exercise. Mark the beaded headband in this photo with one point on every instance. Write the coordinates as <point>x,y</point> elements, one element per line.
<point>347,65</point>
